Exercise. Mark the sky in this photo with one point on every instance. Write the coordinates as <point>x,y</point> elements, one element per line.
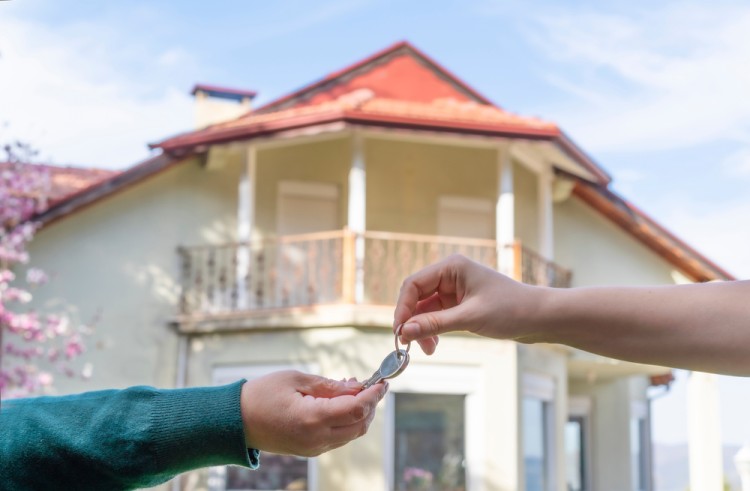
<point>655,92</point>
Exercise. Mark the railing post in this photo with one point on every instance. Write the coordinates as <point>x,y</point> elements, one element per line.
<point>359,267</point>
<point>349,267</point>
<point>517,261</point>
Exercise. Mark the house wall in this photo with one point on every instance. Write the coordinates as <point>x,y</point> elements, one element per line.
<point>405,181</point>
<point>117,261</point>
<point>601,253</point>
<point>326,162</point>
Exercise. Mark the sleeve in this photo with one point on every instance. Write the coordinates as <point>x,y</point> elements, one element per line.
<point>120,439</point>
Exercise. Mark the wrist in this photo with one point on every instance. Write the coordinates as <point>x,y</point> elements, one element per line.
<point>539,314</point>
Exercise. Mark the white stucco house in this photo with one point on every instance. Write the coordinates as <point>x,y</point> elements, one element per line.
<point>277,236</point>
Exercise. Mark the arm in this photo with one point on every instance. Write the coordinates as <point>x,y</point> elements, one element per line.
<point>141,436</point>
<point>702,327</point>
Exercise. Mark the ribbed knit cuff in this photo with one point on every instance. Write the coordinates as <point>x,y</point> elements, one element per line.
<point>201,427</point>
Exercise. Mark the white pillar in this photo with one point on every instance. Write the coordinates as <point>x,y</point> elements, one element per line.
<point>505,211</point>
<point>546,230</point>
<point>704,435</point>
<point>245,223</point>
<point>742,462</point>
<point>357,214</point>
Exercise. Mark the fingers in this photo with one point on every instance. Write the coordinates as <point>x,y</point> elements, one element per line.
<point>430,324</point>
<point>346,433</point>
<point>316,386</point>
<point>419,286</point>
<point>349,409</point>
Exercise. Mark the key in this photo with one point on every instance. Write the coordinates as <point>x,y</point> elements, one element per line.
<point>392,366</point>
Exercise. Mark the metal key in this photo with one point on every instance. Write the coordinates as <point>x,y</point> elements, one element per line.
<point>392,365</point>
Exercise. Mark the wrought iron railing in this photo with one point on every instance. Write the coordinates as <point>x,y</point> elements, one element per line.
<point>391,257</point>
<point>322,268</point>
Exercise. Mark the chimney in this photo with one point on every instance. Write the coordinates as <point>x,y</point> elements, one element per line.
<point>217,104</point>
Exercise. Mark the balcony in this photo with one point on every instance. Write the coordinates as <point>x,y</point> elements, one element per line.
<point>313,270</point>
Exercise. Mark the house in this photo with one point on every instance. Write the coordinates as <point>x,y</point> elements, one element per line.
<point>278,238</point>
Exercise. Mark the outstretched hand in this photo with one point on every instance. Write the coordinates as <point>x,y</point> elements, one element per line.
<point>289,412</point>
<point>457,294</point>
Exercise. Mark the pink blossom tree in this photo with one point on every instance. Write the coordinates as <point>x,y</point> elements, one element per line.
<point>28,337</point>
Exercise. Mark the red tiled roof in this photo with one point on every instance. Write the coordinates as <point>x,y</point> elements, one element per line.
<point>363,105</point>
<point>365,101</point>
<point>400,71</point>
<point>399,87</point>
<point>68,181</point>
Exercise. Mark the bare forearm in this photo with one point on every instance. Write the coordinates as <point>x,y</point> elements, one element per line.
<point>702,327</point>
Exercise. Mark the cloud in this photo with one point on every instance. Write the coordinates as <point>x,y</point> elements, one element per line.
<point>66,91</point>
<point>738,163</point>
<point>657,78</point>
<point>719,231</point>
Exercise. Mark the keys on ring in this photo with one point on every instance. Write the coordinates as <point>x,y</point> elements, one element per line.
<point>393,364</point>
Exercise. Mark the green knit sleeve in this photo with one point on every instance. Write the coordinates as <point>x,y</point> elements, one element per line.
<point>120,439</point>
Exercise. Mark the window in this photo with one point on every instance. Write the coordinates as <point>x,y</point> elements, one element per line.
<point>536,448</point>
<point>639,447</point>
<point>639,450</point>
<point>577,447</point>
<point>434,423</point>
<point>277,472</point>
<point>538,432</point>
<point>575,454</point>
<point>429,442</point>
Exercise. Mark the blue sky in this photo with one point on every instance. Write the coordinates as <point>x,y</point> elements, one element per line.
<point>658,95</point>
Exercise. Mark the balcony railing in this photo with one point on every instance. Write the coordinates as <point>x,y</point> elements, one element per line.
<point>321,268</point>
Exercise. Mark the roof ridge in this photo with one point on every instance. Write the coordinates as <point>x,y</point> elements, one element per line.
<point>370,61</point>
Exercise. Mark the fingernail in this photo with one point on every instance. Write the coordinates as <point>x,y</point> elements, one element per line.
<point>352,382</point>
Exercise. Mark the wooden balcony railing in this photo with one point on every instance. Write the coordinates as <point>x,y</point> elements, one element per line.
<point>320,268</point>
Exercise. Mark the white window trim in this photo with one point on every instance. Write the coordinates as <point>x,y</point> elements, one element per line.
<point>638,412</point>
<point>581,407</point>
<point>543,387</point>
<point>538,386</point>
<point>442,379</point>
<point>230,373</point>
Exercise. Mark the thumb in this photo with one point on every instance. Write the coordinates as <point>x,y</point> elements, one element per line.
<point>430,324</point>
<point>316,386</point>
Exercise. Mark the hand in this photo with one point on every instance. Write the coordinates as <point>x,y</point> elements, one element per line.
<point>290,412</point>
<point>457,294</point>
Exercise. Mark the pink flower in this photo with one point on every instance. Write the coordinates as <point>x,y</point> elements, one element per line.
<point>36,276</point>
<point>73,348</point>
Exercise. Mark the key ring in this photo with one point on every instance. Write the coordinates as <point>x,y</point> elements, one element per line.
<point>398,333</point>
